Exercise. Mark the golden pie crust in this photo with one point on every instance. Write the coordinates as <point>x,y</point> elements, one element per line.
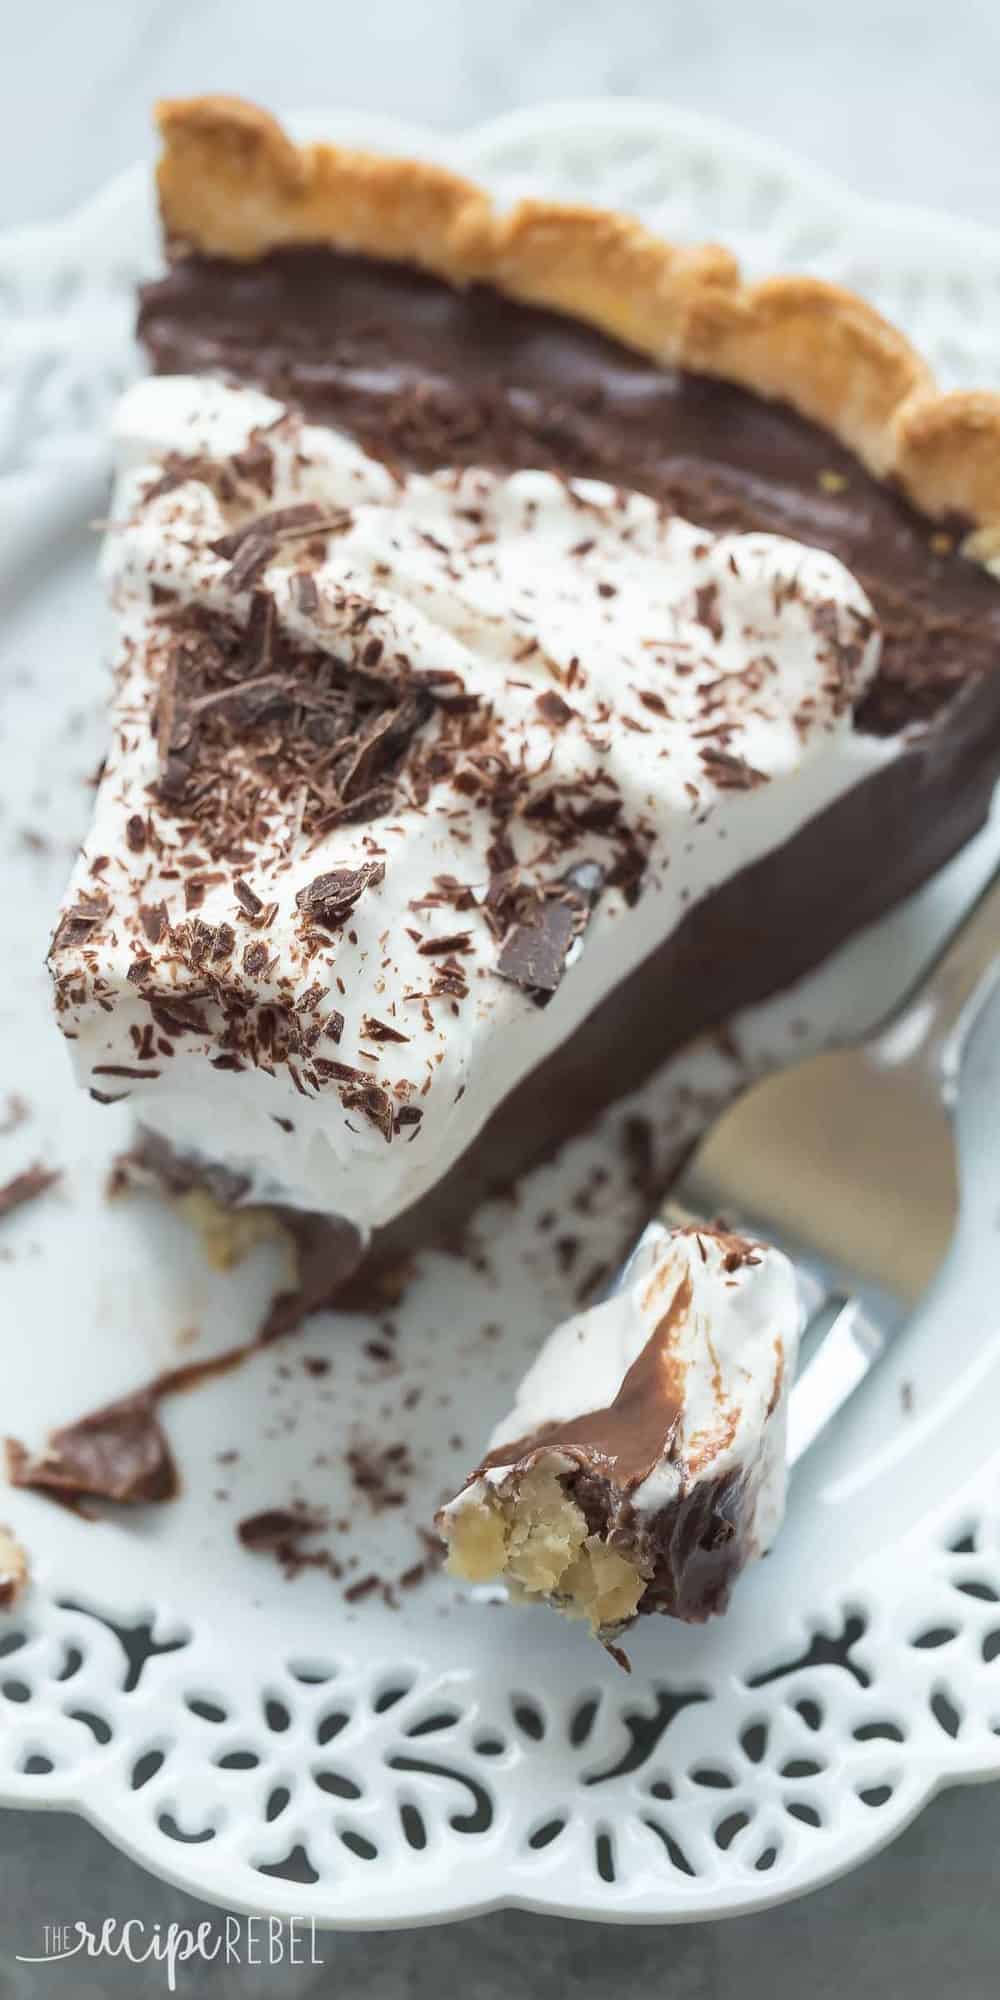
<point>233,184</point>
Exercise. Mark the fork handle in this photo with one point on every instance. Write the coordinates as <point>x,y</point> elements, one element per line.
<point>929,1032</point>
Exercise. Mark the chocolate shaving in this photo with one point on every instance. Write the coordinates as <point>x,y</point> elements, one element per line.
<point>275,1527</point>
<point>153,918</point>
<point>80,921</point>
<point>374,1102</point>
<point>436,947</point>
<point>251,547</point>
<point>306,593</point>
<point>261,628</point>
<point>281,1531</point>
<point>255,959</point>
<point>247,898</point>
<point>255,464</point>
<point>374,1030</point>
<point>706,612</point>
<point>553,709</point>
<point>26,1187</point>
<point>330,898</point>
<point>257,729</point>
<point>730,773</point>
<point>281,524</point>
<point>172,728</point>
<point>125,1069</point>
<point>381,745</point>
<point>250,561</point>
<point>363,1587</point>
<point>618,1655</point>
<point>178,1016</point>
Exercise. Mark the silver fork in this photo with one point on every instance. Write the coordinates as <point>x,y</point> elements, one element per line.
<point>847,1162</point>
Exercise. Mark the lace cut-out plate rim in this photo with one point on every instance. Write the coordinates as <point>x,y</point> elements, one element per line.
<point>298,1772</point>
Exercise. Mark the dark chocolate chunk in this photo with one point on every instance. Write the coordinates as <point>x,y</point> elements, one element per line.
<point>533,954</point>
<point>535,950</point>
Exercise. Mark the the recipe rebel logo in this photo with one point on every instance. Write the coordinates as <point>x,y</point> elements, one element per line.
<point>242,1941</point>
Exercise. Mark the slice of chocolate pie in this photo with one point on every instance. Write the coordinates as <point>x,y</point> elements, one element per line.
<point>643,1464</point>
<point>533,646</point>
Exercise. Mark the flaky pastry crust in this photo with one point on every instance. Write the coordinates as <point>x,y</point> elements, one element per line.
<point>233,184</point>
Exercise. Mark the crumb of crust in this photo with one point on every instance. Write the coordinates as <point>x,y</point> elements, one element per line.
<point>537,1539</point>
<point>228,1234</point>
<point>16,1111</point>
<point>14,1572</point>
<point>227,1231</point>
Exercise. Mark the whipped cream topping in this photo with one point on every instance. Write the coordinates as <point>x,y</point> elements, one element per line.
<point>729,1357</point>
<point>592,683</point>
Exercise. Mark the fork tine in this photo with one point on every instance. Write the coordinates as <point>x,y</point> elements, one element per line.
<point>848,1350</point>
<point>821,1281</point>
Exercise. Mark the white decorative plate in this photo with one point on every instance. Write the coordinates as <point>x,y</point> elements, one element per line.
<point>270,1744</point>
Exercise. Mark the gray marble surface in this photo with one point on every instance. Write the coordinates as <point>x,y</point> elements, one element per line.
<point>897,96</point>
<point>900,99</point>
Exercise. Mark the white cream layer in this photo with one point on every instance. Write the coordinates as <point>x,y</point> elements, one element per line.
<point>545,572</point>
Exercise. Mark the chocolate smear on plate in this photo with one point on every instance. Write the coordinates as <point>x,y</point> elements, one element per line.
<point>120,1451</point>
<point>117,1453</point>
